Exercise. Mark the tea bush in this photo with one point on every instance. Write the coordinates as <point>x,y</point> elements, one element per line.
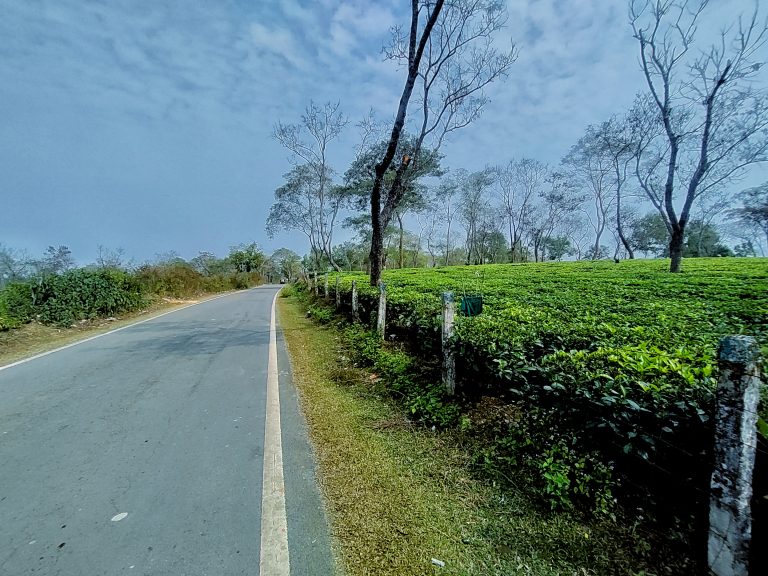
<point>615,363</point>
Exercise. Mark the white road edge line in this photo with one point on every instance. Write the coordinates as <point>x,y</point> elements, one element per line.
<point>274,559</point>
<point>84,340</point>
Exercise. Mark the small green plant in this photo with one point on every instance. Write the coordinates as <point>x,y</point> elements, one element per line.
<point>321,314</point>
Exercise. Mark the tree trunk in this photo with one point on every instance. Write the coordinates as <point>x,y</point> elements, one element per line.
<point>400,247</point>
<point>676,249</point>
<point>620,228</point>
<point>375,260</point>
<point>448,243</point>
<point>414,60</point>
<point>596,247</point>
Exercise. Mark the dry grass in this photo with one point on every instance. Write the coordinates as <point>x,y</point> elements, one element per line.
<point>399,495</point>
<point>35,338</point>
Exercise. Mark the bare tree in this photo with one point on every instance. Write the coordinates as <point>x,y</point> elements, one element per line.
<point>556,202</point>
<point>519,185</point>
<point>308,142</point>
<point>475,212</point>
<point>300,206</point>
<point>708,121</point>
<point>14,264</point>
<point>752,215</point>
<point>430,222</point>
<point>616,137</point>
<point>55,260</point>
<point>590,162</point>
<point>448,49</point>
<point>109,258</point>
<point>445,195</point>
<point>626,219</point>
<point>578,235</point>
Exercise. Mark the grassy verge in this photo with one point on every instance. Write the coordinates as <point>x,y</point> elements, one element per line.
<point>400,495</point>
<point>35,338</point>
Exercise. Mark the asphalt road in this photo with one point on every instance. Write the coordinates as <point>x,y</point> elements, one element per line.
<point>141,452</point>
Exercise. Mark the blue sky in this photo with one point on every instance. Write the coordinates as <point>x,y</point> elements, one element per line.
<point>146,124</point>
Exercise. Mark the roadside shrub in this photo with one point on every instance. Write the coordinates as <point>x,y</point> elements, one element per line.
<point>365,344</point>
<point>516,441</point>
<point>402,377</point>
<point>321,314</point>
<point>84,294</point>
<point>239,281</point>
<point>180,280</point>
<point>17,303</point>
<point>176,280</point>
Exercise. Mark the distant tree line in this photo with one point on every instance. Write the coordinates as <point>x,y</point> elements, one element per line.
<point>658,180</point>
<point>52,290</point>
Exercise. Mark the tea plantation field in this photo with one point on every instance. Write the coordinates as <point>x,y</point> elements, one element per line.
<point>611,365</point>
<point>586,305</point>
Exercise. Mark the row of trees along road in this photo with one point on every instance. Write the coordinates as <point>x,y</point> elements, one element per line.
<point>19,266</point>
<point>700,122</point>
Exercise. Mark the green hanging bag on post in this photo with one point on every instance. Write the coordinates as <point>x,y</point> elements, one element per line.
<point>471,305</point>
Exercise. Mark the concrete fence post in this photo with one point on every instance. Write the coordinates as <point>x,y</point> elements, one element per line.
<point>338,295</point>
<point>316,288</point>
<point>355,312</point>
<point>326,286</point>
<point>449,360</point>
<point>381,318</point>
<point>730,518</point>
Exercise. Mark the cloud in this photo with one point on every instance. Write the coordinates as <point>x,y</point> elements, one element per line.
<point>133,97</point>
<point>279,42</point>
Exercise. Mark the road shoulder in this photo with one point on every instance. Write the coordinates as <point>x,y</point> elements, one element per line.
<point>309,542</point>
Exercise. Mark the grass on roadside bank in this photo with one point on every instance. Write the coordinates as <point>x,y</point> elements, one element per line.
<point>36,338</point>
<point>400,494</point>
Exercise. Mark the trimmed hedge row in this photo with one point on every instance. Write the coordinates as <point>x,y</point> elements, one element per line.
<point>610,368</point>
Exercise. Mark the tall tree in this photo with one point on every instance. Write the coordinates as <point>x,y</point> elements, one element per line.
<point>448,49</point>
<point>702,239</point>
<point>14,264</point>
<point>555,247</point>
<point>557,201</point>
<point>287,263</point>
<point>360,176</point>
<point>55,260</point>
<point>650,235</point>
<point>299,205</point>
<point>519,185</point>
<point>246,257</point>
<point>590,163</point>
<point>707,117</point>
<point>753,212</point>
<point>445,196</point>
<point>616,137</point>
<point>475,212</point>
<point>308,143</point>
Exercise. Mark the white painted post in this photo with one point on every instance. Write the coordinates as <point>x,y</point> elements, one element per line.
<point>355,313</point>
<point>738,393</point>
<point>338,295</point>
<point>326,285</point>
<point>449,361</point>
<point>381,318</point>
<point>316,288</point>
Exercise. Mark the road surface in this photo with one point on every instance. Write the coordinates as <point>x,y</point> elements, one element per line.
<point>141,452</point>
